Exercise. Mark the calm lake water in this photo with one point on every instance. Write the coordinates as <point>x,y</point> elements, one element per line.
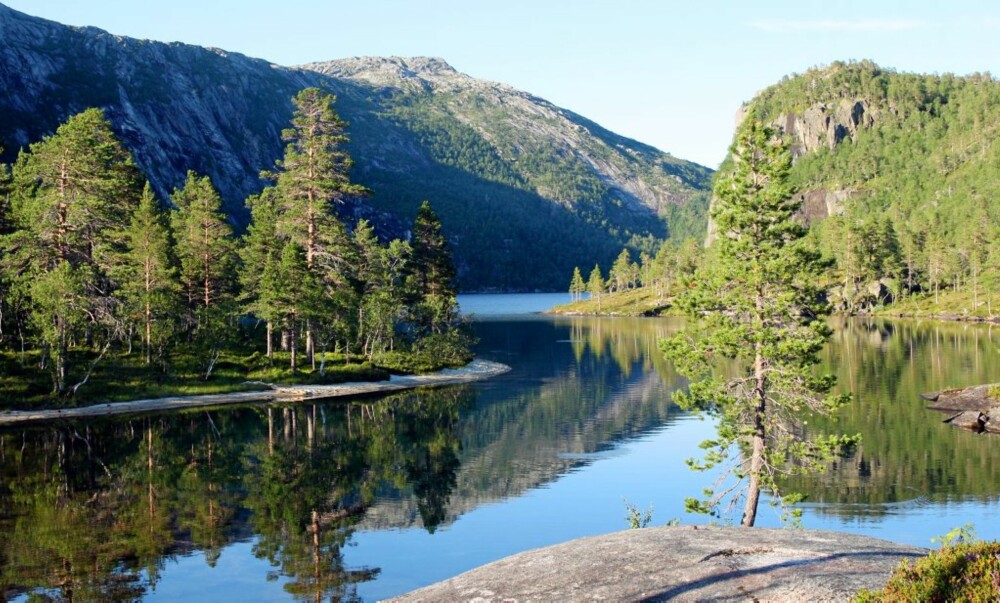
<point>375,497</point>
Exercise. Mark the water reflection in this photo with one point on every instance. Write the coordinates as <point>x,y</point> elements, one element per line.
<point>111,510</point>
<point>92,511</point>
<point>908,456</point>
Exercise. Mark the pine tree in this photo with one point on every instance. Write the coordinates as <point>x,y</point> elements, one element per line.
<point>205,245</point>
<point>207,254</point>
<point>758,303</point>
<point>595,285</point>
<point>73,194</point>
<point>576,284</point>
<point>149,280</point>
<point>433,271</point>
<point>621,270</point>
<point>314,175</point>
<point>6,229</point>
<point>260,247</point>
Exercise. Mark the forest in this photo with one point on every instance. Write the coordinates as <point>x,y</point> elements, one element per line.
<point>918,230</point>
<point>106,290</point>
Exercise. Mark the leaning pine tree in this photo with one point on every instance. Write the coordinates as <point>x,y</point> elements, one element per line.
<point>757,304</point>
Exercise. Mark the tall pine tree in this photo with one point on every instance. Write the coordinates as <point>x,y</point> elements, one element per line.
<point>313,175</point>
<point>758,303</point>
<point>149,281</point>
<point>207,254</point>
<point>73,194</point>
<point>205,245</point>
<point>433,273</point>
<point>261,246</point>
<point>576,284</point>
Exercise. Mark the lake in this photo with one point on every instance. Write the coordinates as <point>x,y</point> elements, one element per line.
<point>365,499</point>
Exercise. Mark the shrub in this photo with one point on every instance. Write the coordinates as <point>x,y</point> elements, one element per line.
<point>962,572</point>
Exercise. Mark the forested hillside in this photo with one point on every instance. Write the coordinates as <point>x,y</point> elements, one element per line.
<point>903,167</point>
<point>898,177</point>
<point>517,180</point>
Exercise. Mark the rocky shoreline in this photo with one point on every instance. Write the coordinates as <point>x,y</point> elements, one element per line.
<point>476,370</point>
<point>684,563</point>
<point>976,408</point>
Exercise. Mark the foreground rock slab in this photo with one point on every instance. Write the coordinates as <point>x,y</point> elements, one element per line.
<point>686,563</point>
<point>476,370</point>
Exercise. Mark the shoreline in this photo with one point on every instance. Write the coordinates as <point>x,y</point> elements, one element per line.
<point>477,370</point>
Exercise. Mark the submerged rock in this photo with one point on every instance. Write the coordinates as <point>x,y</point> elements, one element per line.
<point>690,563</point>
<point>977,407</point>
<point>973,420</point>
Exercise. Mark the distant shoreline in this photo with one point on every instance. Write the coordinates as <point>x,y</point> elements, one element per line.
<point>477,370</point>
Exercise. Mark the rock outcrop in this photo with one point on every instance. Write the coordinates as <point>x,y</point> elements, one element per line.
<point>975,408</point>
<point>825,124</point>
<point>684,564</point>
<point>822,125</point>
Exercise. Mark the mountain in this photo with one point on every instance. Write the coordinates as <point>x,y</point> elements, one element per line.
<point>898,174</point>
<point>526,190</point>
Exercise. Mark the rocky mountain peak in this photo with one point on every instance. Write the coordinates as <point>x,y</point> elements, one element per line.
<point>389,71</point>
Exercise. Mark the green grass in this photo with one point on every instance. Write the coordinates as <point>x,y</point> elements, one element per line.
<point>633,302</point>
<point>122,377</point>
<point>949,304</point>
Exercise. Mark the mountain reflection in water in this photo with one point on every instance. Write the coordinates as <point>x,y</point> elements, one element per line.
<point>370,498</point>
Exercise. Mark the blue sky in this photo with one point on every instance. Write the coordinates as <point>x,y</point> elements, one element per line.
<point>670,74</point>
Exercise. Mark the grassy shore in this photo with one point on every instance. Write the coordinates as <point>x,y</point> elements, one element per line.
<point>121,377</point>
<point>947,305</point>
<point>633,302</point>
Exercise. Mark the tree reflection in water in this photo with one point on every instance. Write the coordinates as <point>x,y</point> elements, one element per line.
<point>92,511</point>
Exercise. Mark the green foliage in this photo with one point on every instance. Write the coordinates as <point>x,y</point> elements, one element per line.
<point>636,518</point>
<point>88,268</point>
<point>919,171</point>
<point>205,245</point>
<point>576,285</point>
<point>149,277</point>
<point>967,571</point>
<point>965,533</point>
<point>73,194</point>
<point>756,302</point>
<point>433,275</point>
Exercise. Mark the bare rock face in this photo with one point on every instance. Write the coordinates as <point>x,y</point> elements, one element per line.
<point>684,564</point>
<point>825,125</point>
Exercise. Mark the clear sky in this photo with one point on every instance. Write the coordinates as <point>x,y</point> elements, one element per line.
<point>671,74</point>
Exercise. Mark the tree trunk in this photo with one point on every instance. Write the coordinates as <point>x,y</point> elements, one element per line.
<point>757,456</point>
<point>270,431</point>
<point>149,333</point>
<point>291,344</point>
<point>269,335</point>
